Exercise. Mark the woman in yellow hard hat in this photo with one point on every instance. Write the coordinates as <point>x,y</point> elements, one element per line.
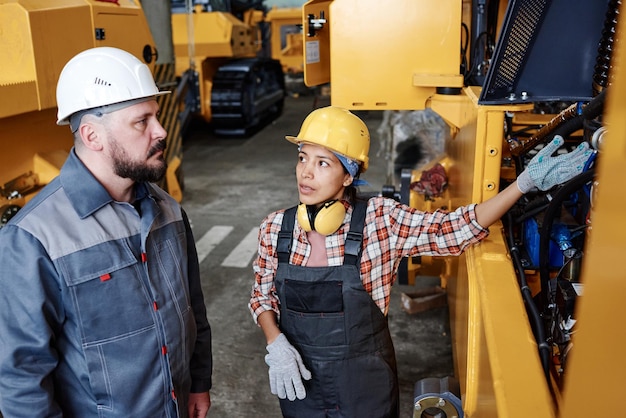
<point>325,268</point>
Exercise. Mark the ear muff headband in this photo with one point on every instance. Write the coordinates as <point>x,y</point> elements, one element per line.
<point>325,220</point>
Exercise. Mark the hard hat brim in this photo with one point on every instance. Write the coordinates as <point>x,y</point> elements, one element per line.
<point>118,106</point>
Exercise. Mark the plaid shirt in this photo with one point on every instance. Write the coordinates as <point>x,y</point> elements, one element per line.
<point>392,231</point>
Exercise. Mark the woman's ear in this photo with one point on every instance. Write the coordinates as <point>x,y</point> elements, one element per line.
<point>348,179</point>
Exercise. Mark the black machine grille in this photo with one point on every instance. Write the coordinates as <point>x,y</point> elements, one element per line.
<point>522,29</point>
<point>546,51</point>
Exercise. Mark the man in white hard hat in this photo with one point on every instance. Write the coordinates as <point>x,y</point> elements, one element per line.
<point>101,308</point>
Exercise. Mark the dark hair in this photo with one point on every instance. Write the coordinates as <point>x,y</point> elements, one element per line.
<point>350,194</point>
<point>351,191</point>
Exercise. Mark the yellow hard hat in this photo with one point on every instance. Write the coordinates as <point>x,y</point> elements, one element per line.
<point>337,129</point>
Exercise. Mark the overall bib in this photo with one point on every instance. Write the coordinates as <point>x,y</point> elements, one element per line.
<point>341,334</point>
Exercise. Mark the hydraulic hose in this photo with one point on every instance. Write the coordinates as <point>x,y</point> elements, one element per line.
<point>545,352</point>
<point>606,46</point>
<point>553,210</point>
<point>591,110</point>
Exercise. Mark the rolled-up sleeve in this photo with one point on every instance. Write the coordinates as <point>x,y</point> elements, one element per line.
<point>263,296</point>
<point>445,233</point>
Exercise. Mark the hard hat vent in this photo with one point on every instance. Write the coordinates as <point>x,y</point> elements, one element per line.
<point>101,82</point>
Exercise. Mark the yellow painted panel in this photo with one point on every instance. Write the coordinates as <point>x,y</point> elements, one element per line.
<point>396,42</point>
<point>18,98</point>
<point>116,21</point>
<point>317,48</point>
<point>58,35</point>
<point>35,43</point>
<point>515,377</point>
<point>215,35</point>
<point>16,49</point>
<point>35,132</point>
<point>594,385</point>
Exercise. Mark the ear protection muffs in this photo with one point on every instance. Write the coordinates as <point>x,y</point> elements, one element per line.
<point>325,220</point>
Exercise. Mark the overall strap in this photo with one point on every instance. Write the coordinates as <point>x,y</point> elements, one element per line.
<point>354,240</point>
<point>285,236</point>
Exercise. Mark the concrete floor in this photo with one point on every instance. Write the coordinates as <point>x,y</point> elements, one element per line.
<point>230,185</point>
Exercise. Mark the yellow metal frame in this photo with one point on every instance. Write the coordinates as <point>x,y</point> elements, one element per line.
<point>496,358</point>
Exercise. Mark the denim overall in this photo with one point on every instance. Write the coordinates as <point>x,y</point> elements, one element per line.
<point>341,334</point>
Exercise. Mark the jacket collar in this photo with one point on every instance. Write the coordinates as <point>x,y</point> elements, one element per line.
<point>85,192</point>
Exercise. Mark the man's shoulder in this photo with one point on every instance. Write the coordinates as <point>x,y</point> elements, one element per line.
<point>43,196</point>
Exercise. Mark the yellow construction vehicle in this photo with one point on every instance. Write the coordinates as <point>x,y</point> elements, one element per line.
<point>286,38</point>
<point>231,80</point>
<point>526,341</point>
<point>37,38</point>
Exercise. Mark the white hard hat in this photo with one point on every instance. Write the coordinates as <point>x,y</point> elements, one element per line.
<point>102,76</point>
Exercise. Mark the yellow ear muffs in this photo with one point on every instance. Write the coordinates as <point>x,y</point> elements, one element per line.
<point>303,216</point>
<point>325,220</point>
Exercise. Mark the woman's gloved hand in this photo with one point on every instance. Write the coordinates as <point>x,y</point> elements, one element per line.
<point>545,171</point>
<point>286,369</point>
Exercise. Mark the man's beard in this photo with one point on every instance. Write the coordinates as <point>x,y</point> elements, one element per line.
<point>139,172</point>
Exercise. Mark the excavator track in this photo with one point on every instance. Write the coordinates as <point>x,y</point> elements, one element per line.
<point>246,95</point>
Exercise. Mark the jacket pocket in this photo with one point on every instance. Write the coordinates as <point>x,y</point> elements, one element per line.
<point>115,367</point>
<point>108,296</point>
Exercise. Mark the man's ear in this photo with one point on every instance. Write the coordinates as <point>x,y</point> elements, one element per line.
<point>90,136</point>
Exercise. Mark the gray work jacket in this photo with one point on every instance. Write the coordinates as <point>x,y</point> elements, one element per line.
<point>101,306</point>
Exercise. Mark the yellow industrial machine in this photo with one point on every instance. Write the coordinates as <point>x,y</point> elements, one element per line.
<point>232,82</point>
<point>286,38</point>
<point>286,41</point>
<point>526,341</point>
<point>37,38</point>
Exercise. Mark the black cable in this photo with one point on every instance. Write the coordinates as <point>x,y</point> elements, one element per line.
<point>464,45</point>
<point>534,314</point>
<point>552,212</point>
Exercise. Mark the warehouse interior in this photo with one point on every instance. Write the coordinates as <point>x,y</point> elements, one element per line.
<point>458,97</point>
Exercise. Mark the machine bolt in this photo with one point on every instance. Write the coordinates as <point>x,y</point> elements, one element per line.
<point>418,407</point>
<point>524,95</point>
<point>441,403</point>
<point>512,96</point>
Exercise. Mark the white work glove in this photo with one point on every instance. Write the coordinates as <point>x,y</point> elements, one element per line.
<point>545,171</point>
<point>286,369</point>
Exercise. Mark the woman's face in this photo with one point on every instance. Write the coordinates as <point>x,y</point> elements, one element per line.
<point>320,175</point>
